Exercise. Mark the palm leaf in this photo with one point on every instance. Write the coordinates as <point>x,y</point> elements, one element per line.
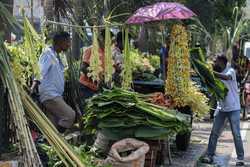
<point>8,18</point>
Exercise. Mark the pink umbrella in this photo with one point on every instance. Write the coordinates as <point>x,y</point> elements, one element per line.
<point>160,11</point>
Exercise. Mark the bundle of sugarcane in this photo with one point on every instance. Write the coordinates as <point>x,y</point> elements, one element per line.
<point>27,146</point>
<point>64,151</point>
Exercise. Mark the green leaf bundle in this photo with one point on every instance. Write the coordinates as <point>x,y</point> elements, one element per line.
<point>119,113</point>
<point>214,85</point>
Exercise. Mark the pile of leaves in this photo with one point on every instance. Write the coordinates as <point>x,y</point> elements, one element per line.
<point>120,114</point>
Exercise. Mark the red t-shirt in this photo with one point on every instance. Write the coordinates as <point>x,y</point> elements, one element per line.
<point>85,80</point>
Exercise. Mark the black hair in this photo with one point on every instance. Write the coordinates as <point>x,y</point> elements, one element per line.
<point>102,33</point>
<point>119,37</point>
<point>119,40</point>
<point>59,36</point>
<point>222,58</point>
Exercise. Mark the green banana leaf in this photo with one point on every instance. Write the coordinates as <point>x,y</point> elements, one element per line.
<point>119,113</point>
<point>213,84</point>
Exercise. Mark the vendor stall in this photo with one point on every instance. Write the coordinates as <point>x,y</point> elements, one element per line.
<point>134,124</point>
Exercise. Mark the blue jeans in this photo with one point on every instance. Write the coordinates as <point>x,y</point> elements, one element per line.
<point>219,121</point>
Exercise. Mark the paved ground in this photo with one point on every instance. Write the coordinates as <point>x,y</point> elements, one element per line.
<point>199,138</point>
<point>225,154</point>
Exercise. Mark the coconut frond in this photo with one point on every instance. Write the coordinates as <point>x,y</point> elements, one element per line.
<point>8,18</point>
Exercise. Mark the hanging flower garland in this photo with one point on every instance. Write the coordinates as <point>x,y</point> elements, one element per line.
<point>178,84</point>
<point>178,74</point>
<point>127,66</point>
<point>95,67</point>
<point>108,61</point>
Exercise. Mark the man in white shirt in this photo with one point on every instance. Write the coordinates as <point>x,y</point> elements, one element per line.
<point>230,109</point>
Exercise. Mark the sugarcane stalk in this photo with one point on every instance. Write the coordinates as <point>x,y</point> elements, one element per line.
<point>50,133</point>
<point>51,139</point>
<point>28,149</point>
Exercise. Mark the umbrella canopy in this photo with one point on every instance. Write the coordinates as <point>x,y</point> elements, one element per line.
<point>160,11</point>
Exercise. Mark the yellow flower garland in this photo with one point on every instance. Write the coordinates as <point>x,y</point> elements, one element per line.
<point>178,84</point>
<point>178,75</point>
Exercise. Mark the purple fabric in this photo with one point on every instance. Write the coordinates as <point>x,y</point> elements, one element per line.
<point>160,11</point>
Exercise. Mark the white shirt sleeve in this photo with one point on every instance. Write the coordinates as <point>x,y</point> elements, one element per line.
<point>45,63</point>
<point>231,73</point>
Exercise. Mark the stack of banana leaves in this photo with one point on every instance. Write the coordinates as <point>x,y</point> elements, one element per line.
<point>119,114</point>
<point>215,87</point>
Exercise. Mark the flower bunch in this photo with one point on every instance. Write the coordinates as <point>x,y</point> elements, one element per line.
<point>179,86</point>
<point>178,75</point>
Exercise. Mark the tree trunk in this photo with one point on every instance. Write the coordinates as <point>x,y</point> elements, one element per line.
<point>143,37</point>
<point>49,9</point>
<point>76,40</point>
<point>49,12</point>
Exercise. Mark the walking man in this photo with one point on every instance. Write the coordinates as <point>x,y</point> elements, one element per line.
<point>230,109</point>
